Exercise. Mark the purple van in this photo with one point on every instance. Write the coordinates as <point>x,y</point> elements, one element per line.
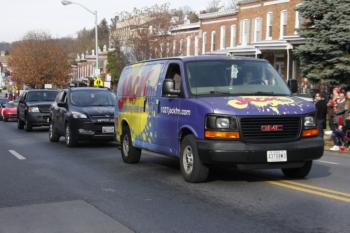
<point>215,110</point>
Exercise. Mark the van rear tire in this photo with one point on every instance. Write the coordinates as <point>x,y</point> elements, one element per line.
<point>298,173</point>
<point>192,168</point>
<point>130,154</point>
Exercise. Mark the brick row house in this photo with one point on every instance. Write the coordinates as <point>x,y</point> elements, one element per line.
<point>258,28</point>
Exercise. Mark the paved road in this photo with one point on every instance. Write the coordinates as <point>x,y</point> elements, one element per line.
<point>89,187</point>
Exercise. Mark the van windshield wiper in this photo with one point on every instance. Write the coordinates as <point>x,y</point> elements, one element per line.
<point>266,93</point>
<point>221,92</point>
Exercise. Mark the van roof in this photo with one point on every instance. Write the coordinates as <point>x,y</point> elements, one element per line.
<point>203,58</point>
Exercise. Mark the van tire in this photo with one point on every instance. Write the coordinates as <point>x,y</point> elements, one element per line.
<point>130,154</point>
<point>192,168</point>
<point>298,173</point>
<point>20,124</point>
<point>53,135</point>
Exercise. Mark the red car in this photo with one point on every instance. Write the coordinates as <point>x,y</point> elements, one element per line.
<point>10,111</point>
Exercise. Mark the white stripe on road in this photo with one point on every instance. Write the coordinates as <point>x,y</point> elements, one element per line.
<point>17,155</point>
<point>327,162</point>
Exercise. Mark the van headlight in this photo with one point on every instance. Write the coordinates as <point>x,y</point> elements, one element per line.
<point>221,127</point>
<point>78,115</point>
<point>221,122</point>
<point>309,122</point>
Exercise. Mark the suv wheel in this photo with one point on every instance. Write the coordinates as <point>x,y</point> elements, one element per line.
<point>71,139</point>
<point>298,173</point>
<point>130,154</point>
<point>28,125</point>
<point>53,135</point>
<point>192,168</point>
<point>20,124</point>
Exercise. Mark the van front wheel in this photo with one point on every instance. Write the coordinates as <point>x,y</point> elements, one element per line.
<point>298,173</point>
<point>192,168</point>
<point>130,154</point>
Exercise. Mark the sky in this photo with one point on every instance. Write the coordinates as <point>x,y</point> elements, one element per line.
<point>17,17</point>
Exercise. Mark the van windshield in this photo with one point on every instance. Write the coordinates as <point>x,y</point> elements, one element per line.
<point>233,78</point>
<point>86,98</point>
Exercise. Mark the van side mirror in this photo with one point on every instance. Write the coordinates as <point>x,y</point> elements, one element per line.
<point>61,104</point>
<point>293,85</point>
<point>169,87</point>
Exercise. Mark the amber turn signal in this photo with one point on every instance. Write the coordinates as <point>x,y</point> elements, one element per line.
<point>310,133</point>
<point>222,135</point>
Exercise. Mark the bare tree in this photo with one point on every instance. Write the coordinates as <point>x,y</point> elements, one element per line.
<point>143,31</point>
<point>214,6</point>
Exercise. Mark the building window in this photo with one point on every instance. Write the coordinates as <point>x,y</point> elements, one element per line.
<point>188,44</point>
<point>196,44</point>
<point>258,30</point>
<point>174,48</point>
<point>213,41</point>
<point>269,21</point>
<point>222,37</point>
<point>204,42</point>
<point>181,46</point>
<point>245,32</point>
<point>283,25</point>
<point>298,20</point>
<point>233,36</point>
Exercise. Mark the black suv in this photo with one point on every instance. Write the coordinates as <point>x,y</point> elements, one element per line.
<point>34,108</point>
<point>82,113</point>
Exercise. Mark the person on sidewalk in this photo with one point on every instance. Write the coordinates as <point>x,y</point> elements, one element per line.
<point>339,132</point>
<point>332,105</point>
<point>321,112</point>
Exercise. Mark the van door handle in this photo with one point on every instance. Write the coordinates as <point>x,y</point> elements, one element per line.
<point>144,105</point>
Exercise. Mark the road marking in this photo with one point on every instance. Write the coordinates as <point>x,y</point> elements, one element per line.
<point>17,155</point>
<point>327,162</point>
<point>323,192</point>
<point>317,188</point>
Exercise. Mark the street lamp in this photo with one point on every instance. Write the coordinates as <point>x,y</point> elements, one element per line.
<point>66,3</point>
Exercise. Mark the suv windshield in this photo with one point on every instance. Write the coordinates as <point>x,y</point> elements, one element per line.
<point>41,96</point>
<point>84,98</point>
<point>234,77</point>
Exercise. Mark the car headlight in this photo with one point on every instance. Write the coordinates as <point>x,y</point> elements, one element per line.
<point>33,109</point>
<point>309,122</point>
<point>78,115</point>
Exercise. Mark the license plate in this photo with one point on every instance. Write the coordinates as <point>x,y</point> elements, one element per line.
<point>277,156</point>
<point>109,129</point>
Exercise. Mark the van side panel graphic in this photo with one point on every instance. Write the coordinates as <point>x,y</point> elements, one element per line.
<point>140,80</point>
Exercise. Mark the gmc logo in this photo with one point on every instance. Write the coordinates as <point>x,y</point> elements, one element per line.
<point>271,128</point>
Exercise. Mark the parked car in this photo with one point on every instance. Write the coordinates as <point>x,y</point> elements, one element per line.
<point>34,108</point>
<point>82,113</point>
<point>9,112</point>
<point>216,110</point>
<point>3,102</point>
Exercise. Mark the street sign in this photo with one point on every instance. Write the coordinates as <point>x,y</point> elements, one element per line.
<point>97,72</point>
<point>48,86</point>
<point>98,82</point>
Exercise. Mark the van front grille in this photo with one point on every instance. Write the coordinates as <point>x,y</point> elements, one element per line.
<point>274,129</point>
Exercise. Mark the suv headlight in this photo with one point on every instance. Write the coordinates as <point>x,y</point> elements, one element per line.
<point>33,109</point>
<point>78,115</point>
<point>309,122</point>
